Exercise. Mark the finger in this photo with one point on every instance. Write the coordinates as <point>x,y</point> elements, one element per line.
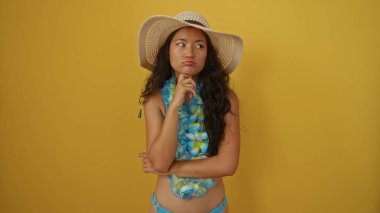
<point>191,85</point>
<point>190,90</point>
<point>184,77</point>
<point>189,80</point>
<point>147,169</point>
<point>142,154</point>
<point>145,162</point>
<point>188,85</point>
<point>189,96</point>
<point>188,93</point>
<point>181,78</point>
<point>194,93</point>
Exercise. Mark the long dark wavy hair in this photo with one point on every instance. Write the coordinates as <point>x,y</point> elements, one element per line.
<point>215,85</point>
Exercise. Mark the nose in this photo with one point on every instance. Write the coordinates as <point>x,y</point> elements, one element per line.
<point>189,52</point>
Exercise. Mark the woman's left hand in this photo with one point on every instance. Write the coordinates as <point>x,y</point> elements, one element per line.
<point>147,165</point>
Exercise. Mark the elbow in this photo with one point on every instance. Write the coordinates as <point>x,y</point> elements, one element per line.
<point>230,169</point>
<point>160,166</point>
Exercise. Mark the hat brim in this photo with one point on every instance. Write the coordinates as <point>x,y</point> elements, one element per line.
<point>155,30</point>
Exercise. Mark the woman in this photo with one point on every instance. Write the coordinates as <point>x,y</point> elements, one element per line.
<point>191,114</point>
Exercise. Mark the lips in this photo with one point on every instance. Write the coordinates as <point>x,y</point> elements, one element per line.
<point>188,62</point>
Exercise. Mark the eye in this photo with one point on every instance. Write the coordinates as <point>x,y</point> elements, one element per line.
<point>181,44</point>
<point>199,46</point>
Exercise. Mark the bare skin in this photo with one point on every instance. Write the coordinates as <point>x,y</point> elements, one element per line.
<point>188,51</point>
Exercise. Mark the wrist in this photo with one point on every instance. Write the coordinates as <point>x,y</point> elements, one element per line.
<point>173,168</point>
<point>173,107</point>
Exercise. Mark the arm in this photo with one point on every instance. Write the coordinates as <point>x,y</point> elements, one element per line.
<point>227,160</point>
<point>161,133</point>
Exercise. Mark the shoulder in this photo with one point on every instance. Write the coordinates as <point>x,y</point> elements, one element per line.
<point>155,102</point>
<point>231,95</point>
<point>234,101</point>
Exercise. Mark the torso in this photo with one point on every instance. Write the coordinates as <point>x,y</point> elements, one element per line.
<point>168,200</point>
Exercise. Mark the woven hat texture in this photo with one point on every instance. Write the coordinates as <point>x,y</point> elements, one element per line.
<point>156,29</point>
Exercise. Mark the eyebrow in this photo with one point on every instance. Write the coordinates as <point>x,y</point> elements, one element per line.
<point>181,39</point>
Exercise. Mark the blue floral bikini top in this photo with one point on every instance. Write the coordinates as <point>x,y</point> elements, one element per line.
<point>192,142</point>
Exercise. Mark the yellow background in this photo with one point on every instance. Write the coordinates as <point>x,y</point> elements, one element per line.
<point>308,85</point>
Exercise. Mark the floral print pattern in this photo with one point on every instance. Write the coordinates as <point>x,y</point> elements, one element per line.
<point>192,142</point>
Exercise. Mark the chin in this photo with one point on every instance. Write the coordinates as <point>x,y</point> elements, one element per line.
<point>191,72</point>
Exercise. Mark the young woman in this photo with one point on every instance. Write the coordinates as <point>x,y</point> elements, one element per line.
<point>191,114</point>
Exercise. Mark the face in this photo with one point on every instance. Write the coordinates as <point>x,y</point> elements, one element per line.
<point>188,51</point>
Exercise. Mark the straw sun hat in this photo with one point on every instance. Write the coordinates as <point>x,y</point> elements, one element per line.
<point>156,29</point>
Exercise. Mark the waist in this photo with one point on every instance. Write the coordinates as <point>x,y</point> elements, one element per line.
<point>210,200</point>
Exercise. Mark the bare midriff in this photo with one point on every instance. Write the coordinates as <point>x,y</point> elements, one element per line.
<point>168,200</point>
